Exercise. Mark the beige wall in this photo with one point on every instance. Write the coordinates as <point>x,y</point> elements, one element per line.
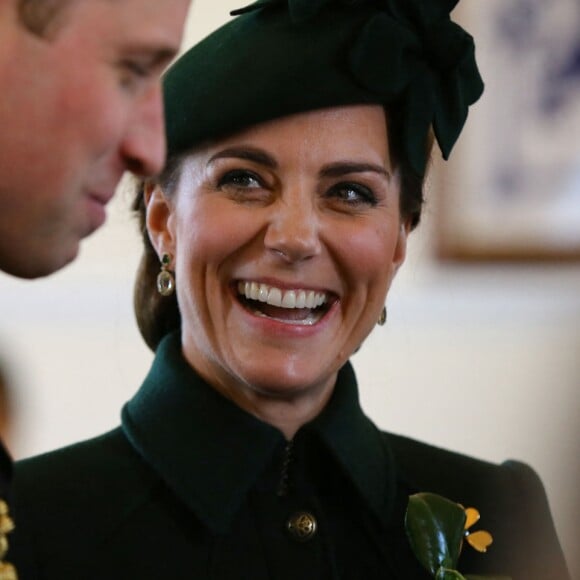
<point>480,359</point>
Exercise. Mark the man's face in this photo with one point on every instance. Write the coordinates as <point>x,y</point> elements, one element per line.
<point>77,110</point>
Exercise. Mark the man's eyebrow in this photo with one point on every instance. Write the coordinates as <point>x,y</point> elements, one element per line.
<point>248,153</point>
<point>155,55</point>
<point>341,168</point>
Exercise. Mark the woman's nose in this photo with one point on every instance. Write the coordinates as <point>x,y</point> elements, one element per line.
<point>293,230</point>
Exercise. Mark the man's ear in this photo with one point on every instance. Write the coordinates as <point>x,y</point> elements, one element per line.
<point>159,220</point>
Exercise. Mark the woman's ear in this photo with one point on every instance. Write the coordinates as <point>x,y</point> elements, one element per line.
<point>401,247</point>
<point>159,222</point>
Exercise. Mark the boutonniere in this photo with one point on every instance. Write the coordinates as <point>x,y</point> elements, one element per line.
<point>437,529</point>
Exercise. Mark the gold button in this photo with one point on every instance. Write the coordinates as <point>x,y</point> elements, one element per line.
<point>302,526</point>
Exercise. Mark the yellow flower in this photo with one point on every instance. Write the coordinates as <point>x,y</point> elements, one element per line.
<point>480,540</point>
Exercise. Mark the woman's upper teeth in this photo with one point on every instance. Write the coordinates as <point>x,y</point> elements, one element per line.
<point>297,298</point>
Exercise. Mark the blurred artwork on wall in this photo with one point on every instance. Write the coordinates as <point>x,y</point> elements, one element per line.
<point>512,189</point>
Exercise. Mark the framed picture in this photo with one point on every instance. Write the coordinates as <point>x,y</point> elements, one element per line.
<point>512,188</point>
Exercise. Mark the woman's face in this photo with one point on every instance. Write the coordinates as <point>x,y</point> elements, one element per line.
<point>285,238</point>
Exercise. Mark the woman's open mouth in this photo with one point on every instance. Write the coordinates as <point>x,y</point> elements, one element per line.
<point>295,306</point>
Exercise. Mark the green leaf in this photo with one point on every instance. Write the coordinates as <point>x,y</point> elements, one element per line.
<point>435,528</point>
<point>447,574</point>
<point>495,577</point>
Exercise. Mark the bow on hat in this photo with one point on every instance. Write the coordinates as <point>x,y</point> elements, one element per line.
<point>412,52</point>
<point>300,10</point>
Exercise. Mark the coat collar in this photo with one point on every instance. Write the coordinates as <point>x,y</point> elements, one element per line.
<point>211,453</point>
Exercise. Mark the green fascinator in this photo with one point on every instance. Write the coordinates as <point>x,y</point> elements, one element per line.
<point>281,57</point>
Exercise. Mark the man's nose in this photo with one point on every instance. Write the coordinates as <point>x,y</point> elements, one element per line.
<point>144,148</point>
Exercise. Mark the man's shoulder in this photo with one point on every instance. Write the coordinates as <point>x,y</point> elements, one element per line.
<point>6,470</point>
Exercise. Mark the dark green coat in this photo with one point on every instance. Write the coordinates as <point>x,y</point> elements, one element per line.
<point>191,487</point>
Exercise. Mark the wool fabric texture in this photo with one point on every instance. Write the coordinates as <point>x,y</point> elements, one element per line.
<point>281,57</point>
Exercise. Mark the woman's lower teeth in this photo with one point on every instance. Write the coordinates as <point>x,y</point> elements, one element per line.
<point>293,317</point>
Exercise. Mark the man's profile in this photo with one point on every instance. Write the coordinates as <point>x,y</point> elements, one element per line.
<point>81,104</point>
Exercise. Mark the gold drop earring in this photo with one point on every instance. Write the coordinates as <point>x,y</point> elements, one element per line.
<point>165,279</point>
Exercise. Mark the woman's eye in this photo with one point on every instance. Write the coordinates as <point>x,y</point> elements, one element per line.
<point>353,194</point>
<point>239,179</point>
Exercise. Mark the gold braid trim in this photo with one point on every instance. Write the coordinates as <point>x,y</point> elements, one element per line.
<point>7,570</point>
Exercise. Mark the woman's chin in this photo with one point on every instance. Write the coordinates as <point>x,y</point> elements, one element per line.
<point>290,382</point>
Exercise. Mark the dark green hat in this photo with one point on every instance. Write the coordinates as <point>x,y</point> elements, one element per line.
<point>280,57</point>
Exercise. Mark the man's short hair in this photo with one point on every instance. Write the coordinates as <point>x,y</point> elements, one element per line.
<point>41,17</point>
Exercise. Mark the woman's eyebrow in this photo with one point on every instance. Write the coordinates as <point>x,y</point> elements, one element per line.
<point>341,168</point>
<point>248,153</point>
<point>337,169</point>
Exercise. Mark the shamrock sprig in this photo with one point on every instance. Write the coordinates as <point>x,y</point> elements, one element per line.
<point>436,528</point>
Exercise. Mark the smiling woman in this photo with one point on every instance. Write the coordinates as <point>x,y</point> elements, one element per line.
<point>298,138</point>
<point>311,206</point>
